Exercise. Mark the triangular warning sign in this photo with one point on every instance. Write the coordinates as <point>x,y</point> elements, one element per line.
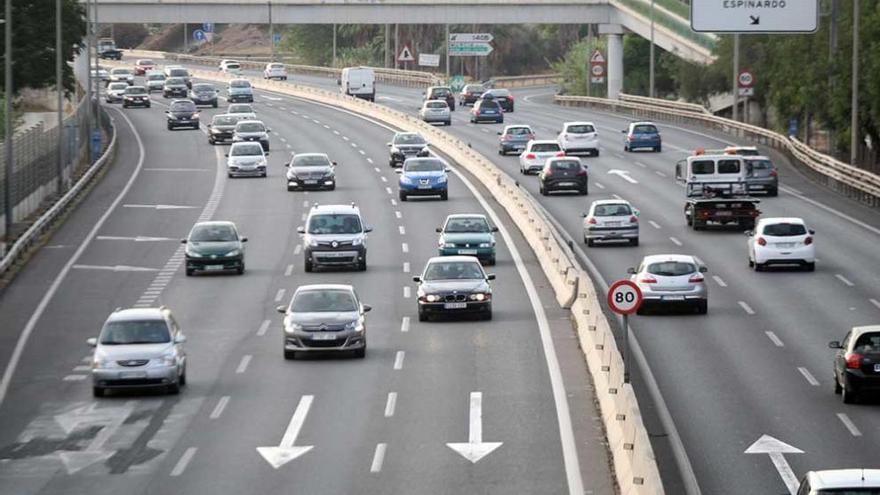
<point>405,55</point>
<point>597,57</point>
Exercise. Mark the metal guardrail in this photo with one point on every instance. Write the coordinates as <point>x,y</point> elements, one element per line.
<point>853,182</point>
<point>676,105</point>
<point>45,222</point>
<point>525,81</point>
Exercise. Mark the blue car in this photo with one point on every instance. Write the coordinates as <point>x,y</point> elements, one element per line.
<point>423,177</point>
<point>487,110</point>
<point>642,135</point>
<point>239,90</point>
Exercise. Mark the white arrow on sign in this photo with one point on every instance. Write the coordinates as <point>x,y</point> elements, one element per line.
<point>475,449</point>
<point>161,207</point>
<point>775,449</point>
<point>139,238</point>
<point>624,174</point>
<point>286,451</point>
<point>116,268</point>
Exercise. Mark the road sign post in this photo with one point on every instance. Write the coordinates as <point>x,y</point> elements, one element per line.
<point>725,16</point>
<point>745,82</point>
<point>625,298</point>
<point>597,68</point>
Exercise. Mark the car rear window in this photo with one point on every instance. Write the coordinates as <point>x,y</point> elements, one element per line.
<point>612,210</point>
<point>437,104</point>
<point>473,88</point>
<point>145,62</point>
<point>867,342</point>
<point>565,165</point>
<point>488,104</point>
<point>849,491</point>
<point>250,127</point>
<point>581,129</point>
<point>135,332</point>
<point>239,84</point>
<point>440,93</point>
<point>545,147</point>
<point>276,66</point>
<point>760,164</point>
<point>240,108</point>
<point>728,166</point>
<point>671,268</point>
<point>644,129</point>
<point>310,161</point>
<point>519,131</point>
<point>700,167</point>
<point>453,270</point>
<point>784,229</point>
<point>319,301</point>
<point>118,86</point>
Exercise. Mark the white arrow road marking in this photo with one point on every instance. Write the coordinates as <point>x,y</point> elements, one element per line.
<point>775,449</point>
<point>78,460</point>
<point>286,451</point>
<point>475,449</point>
<point>272,98</point>
<point>624,174</point>
<point>139,238</point>
<point>117,268</point>
<point>161,207</point>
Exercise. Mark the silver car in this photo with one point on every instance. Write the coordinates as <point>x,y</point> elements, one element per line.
<point>436,111</point>
<point>246,160</point>
<point>611,220</point>
<point>672,279</point>
<point>327,317</point>
<point>536,153</point>
<point>138,348</point>
<point>155,81</point>
<point>121,75</point>
<point>244,111</point>
<point>114,92</point>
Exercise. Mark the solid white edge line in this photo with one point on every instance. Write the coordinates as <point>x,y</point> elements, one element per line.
<point>848,423</point>
<point>875,302</point>
<point>390,404</point>
<point>378,457</point>
<point>184,461</point>
<point>220,407</point>
<point>808,376</point>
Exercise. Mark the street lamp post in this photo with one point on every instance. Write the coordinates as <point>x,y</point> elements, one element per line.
<point>59,86</point>
<point>8,165</point>
<point>651,66</point>
<point>854,123</point>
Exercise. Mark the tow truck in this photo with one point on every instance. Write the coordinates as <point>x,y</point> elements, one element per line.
<point>716,192</point>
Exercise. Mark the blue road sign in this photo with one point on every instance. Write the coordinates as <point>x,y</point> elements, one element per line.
<point>208,27</point>
<point>793,126</point>
<point>199,35</point>
<point>276,38</point>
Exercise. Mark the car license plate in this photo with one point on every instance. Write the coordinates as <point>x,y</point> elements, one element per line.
<point>467,251</point>
<point>488,112</point>
<point>612,224</point>
<point>133,374</point>
<point>455,305</point>
<point>723,213</point>
<point>324,336</point>
<point>785,244</point>
<point>310,182</point>
<point>877,368</point>
<point>334,255</point>
<point>566,184</point>
<point>673,298</point>
<point>213,267</point>
<point>424,186</point>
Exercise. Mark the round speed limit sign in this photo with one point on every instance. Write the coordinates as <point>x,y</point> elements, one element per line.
<point>624,297</point>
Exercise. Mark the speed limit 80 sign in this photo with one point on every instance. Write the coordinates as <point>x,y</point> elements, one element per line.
<point>624,297</point>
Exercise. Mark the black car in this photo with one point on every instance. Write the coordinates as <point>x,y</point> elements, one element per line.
<point>135,96</point>
<point>441,93</point>
<point>182,113</point>
<point>174,86</point>
<point>311,171</point>
<point>454,285</point>
<point>470,93</point>
<point>563,174</point>
<point>251,130</point>
<point>214,246</point>
<point>221,128</point>
<point>857,363</point>
<point>406,145</point>
<point>502,96</point>
<point>204,94</point>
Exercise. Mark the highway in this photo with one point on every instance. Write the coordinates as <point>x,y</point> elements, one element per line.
<point>377,425</point>
<point>758,363</point>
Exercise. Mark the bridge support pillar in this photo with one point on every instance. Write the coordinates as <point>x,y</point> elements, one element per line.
<point>614,32</point>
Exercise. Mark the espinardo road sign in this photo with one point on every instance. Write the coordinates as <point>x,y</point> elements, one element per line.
<point>755,16</point>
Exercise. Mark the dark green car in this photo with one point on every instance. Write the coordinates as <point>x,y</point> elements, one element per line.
<point>467,235</point>
<point>214,246</point>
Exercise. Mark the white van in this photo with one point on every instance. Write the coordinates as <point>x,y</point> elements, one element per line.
<point>359,82</point>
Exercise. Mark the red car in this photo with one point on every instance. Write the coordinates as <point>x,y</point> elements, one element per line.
<point>142,66</point>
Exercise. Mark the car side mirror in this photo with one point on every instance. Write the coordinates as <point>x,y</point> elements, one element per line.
<point>227,155</point>
<point>636,212</point>
<point>208,125</point>
<point>834,344</point>
<point>300,230</point>
<point>623,131</point>
<point>447,170</point>
<point>287,165</point>
<point>388,144</point>
<point>438,230</point>
<point>398,171</point>
<point>335,164</point>
<point>268,130</point>
<point>92,342</point>
<point>494,229</point>
<point>499,133</point>
<point>368,229</point>
<point>244,239</point>
<point>490,276</point>
<point>631,271</point>
<point>281,309</point>
<point>183,241</point>
<point>417,278</point>
<point>367,308</point>
<point>812,232</point>
<point>704,269</point>
<point>180,339</point>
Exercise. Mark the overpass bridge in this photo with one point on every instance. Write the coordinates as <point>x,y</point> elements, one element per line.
<point>614,18</point>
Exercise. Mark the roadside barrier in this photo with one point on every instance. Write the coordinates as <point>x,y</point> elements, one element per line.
<point>511,82</point>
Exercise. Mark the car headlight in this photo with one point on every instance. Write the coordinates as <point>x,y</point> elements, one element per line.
<point>236,137</point>
<point>169,359</point>
<point>449,244</point>
<point>357,241</point>
<point>193,254</point>
<point>478,297</point>
<point>313,243</point>
<point>395,151</point>
<point>356,326</point>
<point>99,363</point>
<point>432,298</point>
<point>404,179</point>
<point>293,327</point>
<point>441,180</point>
<point>485,244</point>
<point>234,252</point>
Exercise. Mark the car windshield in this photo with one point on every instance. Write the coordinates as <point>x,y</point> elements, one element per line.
<point>117,86</point>
<point>135,332</point>
<point>224,120</point>
<point>462,225</point>
<point>245,108</point>
<point>565,165</point>
<point>440,93</point>
<point>488,105</point>
<point>545,147</point>
<point>202,88</point>
<point>250,127</point>
<point>310,161</point>
<point>784,229</point>
<point>453,270</point>
<point>120,71</point>
<point>145,62</point>
<point>183,106</point>
<point>612,210</point>
<point>276,66</point>
<point>436,104</point>
<point>136,90</point>
<point>644,129</point>
<point>671,268</point>
<point>156,77</point>
<point>213,233</point>
<point>344,223</point>
<point>178,73</point>
<point>424,166</point>
<point>172,81</point>
<point>408,139</point>
<point>581,129</point>
<point>238,84</point>
<point>324,300</point>
<point>519,131</point>
<point>247,149</point>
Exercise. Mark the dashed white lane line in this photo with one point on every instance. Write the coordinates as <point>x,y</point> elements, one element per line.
<point>390,404</point>
<point>405,247</point>
<point>280,295</point>
<point>361,152</point>
<point>655,224</point>
<point>406,292</point>
<point>288,271</point>
<point>345,138</point>
<point>377,170</point>
<point>336,132</point>
<point>809,376</point>
<point>283,140</point>
<point>83,367</point>
<point>401,229</point>
<point>406,267</point>
<point>773,338</point>
<point>378,457</point>
<point>599,185</point>
<point>74,378</point>
<point>354,145</point>
<point>398,214</point>
<point>326,126</point>
<point>316,121</point>
<point>383,178</point>
<point>304,216</point>
<point>398,360</point>
<point>618,155</point>
<point>640,164</point>
<point>617,196</point>
<point>875,302</point>
<point>297,249</point>
<point>675,241</point>
<point>264,327</point>
<point>245,361</point>
<point>388,190</point>
<point>393,202</point>
<point>849,424</point>
<point>748,309</point>
<point>404,324</point>
<point>661,174</point>
<point>220,407</point>
<point>718,280</point>
<point>845,280</point>
<point>369,160</point>
<point>184,461</point>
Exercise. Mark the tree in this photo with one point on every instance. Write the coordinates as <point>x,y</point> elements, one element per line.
<point>33,42</point>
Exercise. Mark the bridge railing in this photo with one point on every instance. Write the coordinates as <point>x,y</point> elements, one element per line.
<point>853,182</point>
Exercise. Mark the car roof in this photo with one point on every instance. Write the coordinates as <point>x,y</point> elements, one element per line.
<point>610,202</point>
<point>656,258</point>
<point>466,215</point>
<point>863,329</point>
<point>517,126</point>
<point>334,209</point>
<point>643,122</point>
<point>774,220</point>
<point>579,122</point>
<point>438,87</point>
<point>248,143</point>
<point>469,259</point>
<point>250,121</point>
<point>398,134</point>
<point>543,141</point>
<point>181,100</point>
<point>133,314</point>
<point>324,287</point>
<point>215,222</point>
<point>844,478</point>
<point>436,101</point>
<point>136,86</point>
<point>566,158</point>
<point>311,154</point>
<point>239,80</point>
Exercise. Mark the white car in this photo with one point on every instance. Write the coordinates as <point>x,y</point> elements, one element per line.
<point>611,220</point>
<point>435,111</point>
<point>842,481</point>
<point>275,71</point>
<point>536,154</point>
<point>230,66</point>
<point>115,91</point>
<point>122,75</point>
<point>579,137</point>
<point>246,159</point>
<point>100,74</point>
<point>242,111</point>
<point>781,241</point>
<point>155,81</point>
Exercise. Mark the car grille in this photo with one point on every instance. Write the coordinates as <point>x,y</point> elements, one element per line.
<point>310,175</point>
<point>323,343</point>
<point>323,328</point>
<point>339,244</point>
<point>425,182</point>
<point>455,298</point>
<point>133,362</point>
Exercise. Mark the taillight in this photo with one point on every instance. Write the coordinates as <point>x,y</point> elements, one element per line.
<point>531,156</point>
<point>648,280</point>
<point>696,279</point>
<point>561,153</point>
<point>774,173</point>
<point>762,241</point>
<point>704,214</point>
<point>582,172</point>
<point>507,137</point>
<point>510,97</point>
<point>633,219</point>
<point>531,136</point>
<point>808,241</point>
<point>854,361</point>
<point>592,221</point>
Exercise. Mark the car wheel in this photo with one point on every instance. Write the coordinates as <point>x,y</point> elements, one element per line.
<point>211,141</point>
<point>751,263</point>
<point>702,307</point>
<point>289,354</point>
<point>760,267</point>
<point>658,149</point>
<point>588,242</point>
<point>595,152</point>
<point>98,391</point>
<point>362,265</point>
<point>837,388</point>
<point>170,127</point>
<point>448,122</point>
<point>190,272</point>
<point>626,148</point>
<point>487,315</point>
<point>584,191</point>
<point>810,267</point>
<point>401,195</point>
<point>307,265</point>
<point>360,353</point>
<point>634,242</point>
<point>173,389</point>
<point>491,261</point>
<point>148,105</point>
<point>542,191</point>
<point>848,395</point>
<point>423,316</point>
<point>240,269</point>
<point>444,195</point>
<point>773,192</point>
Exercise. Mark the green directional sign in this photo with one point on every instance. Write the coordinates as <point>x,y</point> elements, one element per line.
<point>456,83</point>
<point>469,49</point>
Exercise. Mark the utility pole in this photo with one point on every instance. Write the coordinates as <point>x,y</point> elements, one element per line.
<point>736,76</point>
<point>651,69</point>
<point>90,80</point>
<point>271,33</point>
<point>9,164</point>
<point>396,43</point>
<point>854,124</point>
<point>832,55</point>
<point>97,81</point>
<point>446,43</point>
<point>59,86</point>
<point>387,46</point>
<point>334,44</point>
<point>185,37</point>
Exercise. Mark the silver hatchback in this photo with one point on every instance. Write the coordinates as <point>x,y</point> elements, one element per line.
<point>611,220</point>
<point>672,280</point>
<point>327,317</point>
